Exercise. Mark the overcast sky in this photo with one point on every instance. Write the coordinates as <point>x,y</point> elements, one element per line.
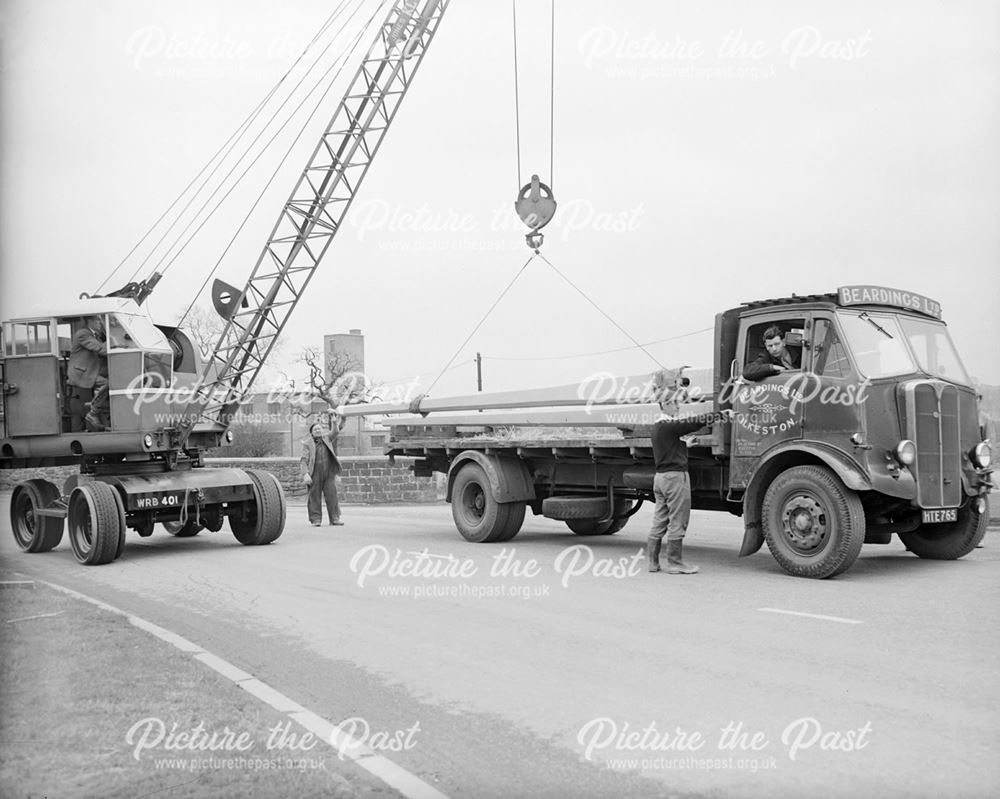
<point>706,154</point>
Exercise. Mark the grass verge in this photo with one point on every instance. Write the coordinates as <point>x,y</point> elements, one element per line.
<point>91,706</point>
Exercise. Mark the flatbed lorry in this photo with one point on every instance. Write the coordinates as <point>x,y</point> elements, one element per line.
<point>876,433</point>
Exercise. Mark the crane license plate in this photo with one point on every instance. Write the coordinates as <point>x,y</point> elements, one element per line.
<point>941,515</point>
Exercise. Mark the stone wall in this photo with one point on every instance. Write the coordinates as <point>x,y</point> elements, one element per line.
<point>368,480</point>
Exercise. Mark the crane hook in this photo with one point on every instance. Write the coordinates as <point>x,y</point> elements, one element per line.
<point>536,205</point>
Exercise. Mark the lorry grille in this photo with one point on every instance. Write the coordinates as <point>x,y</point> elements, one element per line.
<point>933,425</point>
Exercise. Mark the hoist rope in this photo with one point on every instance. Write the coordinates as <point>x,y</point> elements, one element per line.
<point>344,60</point>
<point>479,324</point>
<point>552,94</point>
<point>517,99</point>
<point>264,149</point>
<point>600,310</point>
<point>552,101</point>
<point>597,352</point>
<point>230,143</point>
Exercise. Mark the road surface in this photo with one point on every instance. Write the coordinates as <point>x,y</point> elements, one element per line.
<point>557,666</point>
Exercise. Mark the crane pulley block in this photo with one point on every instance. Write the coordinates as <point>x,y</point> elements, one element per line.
<point>535,205</point>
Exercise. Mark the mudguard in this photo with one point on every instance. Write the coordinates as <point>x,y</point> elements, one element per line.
<point>509,478</point>
<point>847,469</point>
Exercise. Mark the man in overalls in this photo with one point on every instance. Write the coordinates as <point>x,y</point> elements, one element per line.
<point>320,468</point>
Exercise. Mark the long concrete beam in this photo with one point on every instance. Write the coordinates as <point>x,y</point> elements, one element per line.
<point>596,390</point>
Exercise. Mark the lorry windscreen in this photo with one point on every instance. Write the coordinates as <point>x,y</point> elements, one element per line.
<point>934,349</point>
<point>877,343</point>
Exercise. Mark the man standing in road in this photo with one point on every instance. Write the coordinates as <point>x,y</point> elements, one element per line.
<point>671,488</point>
<point>88,357</point>
<point>775,360</point>
<point>320,468</point>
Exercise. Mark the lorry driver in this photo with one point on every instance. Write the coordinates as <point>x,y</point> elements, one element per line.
<point>774,360</point>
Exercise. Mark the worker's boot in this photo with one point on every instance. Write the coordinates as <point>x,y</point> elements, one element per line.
<point>675,565</point>
<point>653,553</point>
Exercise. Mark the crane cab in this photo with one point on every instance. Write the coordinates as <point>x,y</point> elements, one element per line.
<point>144,367</point>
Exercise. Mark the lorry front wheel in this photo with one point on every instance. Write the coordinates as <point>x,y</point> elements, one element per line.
<point>478,516</point>
<point>949,541</point>
<point>814,525</point>
<point>96,522</point>
<point>32,532</point>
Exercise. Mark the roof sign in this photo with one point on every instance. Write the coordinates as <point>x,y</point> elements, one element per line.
<point>877,295</point>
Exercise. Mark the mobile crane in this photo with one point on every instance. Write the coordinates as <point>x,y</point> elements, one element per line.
<point>168,405</point>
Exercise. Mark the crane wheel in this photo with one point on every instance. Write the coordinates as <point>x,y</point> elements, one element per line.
<point>34,533</point>
<point>96,523</point>
<point>262,520</point>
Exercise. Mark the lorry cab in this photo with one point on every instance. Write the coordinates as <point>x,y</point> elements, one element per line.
<point>878,399</point>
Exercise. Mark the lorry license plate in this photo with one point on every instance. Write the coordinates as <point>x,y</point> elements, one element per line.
<point>942,515</point>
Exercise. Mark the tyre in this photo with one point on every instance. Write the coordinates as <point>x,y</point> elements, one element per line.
<point>264,519</point>
<point>32,532</point>
<point>183,530</point>
<point>814,525</point>
<point>949,541</point>
<point>566,508</point>
<point>96,523</point>
<point>593,527</point>
<point>478,516</point>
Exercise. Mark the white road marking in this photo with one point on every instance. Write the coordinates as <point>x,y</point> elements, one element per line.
<point>346,746</point>
<point>39,616</point>
<point>812,615</point>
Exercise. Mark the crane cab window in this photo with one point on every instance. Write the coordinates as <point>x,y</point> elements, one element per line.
<point>27,338</point>
<point>758,360</point>
<point>119,338</point>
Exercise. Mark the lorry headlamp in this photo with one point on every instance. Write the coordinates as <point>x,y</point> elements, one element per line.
<point>147,441</point>
<point>982,455</point>
<point>906,452</point>
<point>229,436</point>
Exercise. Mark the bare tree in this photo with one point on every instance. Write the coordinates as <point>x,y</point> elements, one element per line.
<point>204,326</point>
<point>333,380</point>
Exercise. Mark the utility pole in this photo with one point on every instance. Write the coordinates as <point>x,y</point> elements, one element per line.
<point>479,372</point>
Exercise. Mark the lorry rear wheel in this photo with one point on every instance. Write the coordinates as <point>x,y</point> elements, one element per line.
<point>32,532</point>
<point>185,530</point>
<point>814,525</point>
<point>478,516</point>
<point>949,541</point>
<point>264,520</point>
<point>96,523</point>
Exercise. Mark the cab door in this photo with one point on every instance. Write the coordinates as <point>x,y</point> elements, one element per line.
<point>32,394</point>
<point>766,413</point>
<point>832,391</point>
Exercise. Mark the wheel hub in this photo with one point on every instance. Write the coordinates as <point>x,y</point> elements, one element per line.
<point>805,523</point>
<point>475,501</point>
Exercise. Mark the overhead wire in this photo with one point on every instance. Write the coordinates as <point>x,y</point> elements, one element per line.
<point>596,352</point>
<point>230,143</point>
<point>260,154</point>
